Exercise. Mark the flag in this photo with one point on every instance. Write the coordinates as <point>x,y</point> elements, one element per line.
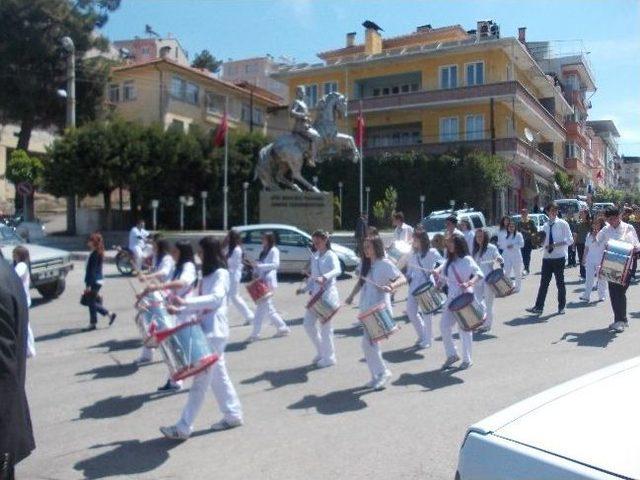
<point>360,129</point>
<point>221,132</point>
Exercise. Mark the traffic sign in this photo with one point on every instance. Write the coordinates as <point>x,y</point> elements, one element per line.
<point>25,189</point>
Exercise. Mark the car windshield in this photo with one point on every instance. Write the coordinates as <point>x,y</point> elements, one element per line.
<point>434,224</point>
<point>9,237</point>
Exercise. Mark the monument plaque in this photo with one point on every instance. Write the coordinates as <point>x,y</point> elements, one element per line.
<point>308,211</point>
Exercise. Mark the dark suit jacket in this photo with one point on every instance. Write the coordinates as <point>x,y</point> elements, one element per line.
<point>93,272</point>
<point>361,228</point>
<point>16,436</point>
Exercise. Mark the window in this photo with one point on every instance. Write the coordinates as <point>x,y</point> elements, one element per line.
<point>253,237</point>
<point>448,129</point>
<point>395,90</point>
<point>476,221</point>
<point>376,92</point>
<point>146,51</point>
<point>474,127</point>
<point>572,82</point>
<point>128,91</point>
<point>385,91</point>
<point>177,87</point>
<point>311,93</point>
<point>414,87</point>
<point>245,114</point>
<point>404,88</point>
<point>573,150</point>
<point>250,68</point>
<point>475,73</point>
<point>177,125</point>
<point>185,91</point>
<point>258,116</point>
<point>192,93</point>
<point>291,239</point>
<point>330,87</point>
<point>114,93</point>
<point>215,103</point>
<point>449,76</point>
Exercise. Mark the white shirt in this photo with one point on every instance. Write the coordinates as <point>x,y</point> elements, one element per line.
<point>512,244</point>
<point>465,268</point>
<point>624,233</point>
<point>22,269</point>
<point>595,249</point>
<point>561,233</point>
<point>211,302</point>
<point>502,236</point>
<point>137,238</point>
<point>188,275</point>
<point>404,232</point>
<point>325,265</point>
<point>165,267</point>
<point>469,236</point>
<point>487,260</point>
<point>417,264</point>
<point>235,264</point>
<point>382,272</point>
<point>268,267</point>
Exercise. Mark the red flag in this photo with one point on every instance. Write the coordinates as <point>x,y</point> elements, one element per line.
<point>221,132</point>
<point>599,175</point>
<point>360,129</point>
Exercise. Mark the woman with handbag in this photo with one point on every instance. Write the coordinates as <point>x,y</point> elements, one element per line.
<point>93,280</point>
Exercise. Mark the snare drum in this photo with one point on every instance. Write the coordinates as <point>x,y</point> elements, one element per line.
<point>378,323</point>
<point>616,262</point>
<point>468,311</point>
<point>428,297</point>
<point>399,252</point>
<point>499,283</point>
<point>324,306</point>
<point>259,290</point>
<point>187,351</point>
<point>153,318</point>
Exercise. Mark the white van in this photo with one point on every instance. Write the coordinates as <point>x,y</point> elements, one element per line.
<point>569,207</point>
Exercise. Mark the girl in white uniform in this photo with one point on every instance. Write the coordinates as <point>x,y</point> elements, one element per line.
<point>234,259</point>
<point>502,232</point>
<point>467,231</point>
<point>512,254</point>
<point>211,306</point>
<point>267,270</point>
<point>419,267</point>
<point>379,277</point>
<point>163,266</point>
<point>485,255</point>
<point>592,259</point>
<point>325,268</point>
<point>181,285</point>
<point>461,273</point>
<point>22,266</point>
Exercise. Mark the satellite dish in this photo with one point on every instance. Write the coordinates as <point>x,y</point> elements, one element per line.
<point>528,134</point>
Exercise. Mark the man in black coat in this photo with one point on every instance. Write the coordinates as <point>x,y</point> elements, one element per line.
<point>16,436</point>
<point>361,231</point>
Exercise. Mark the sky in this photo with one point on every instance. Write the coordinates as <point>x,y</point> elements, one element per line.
<point>608,29</point>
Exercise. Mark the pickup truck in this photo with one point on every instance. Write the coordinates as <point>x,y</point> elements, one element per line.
<point>434,223</point>
<point>49,266</point>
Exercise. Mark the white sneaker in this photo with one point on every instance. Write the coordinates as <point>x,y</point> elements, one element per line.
<point>173,433</point>
<point>450,361</point>
<point>465,365</point>
<point>282,332</point>
<point>325,363</point>
<point>424,344</point>
<point>382,380</point>
<point>225,424</point>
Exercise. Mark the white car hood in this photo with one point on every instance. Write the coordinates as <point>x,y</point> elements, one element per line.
<point>592,420</point>
<point>37,253</point>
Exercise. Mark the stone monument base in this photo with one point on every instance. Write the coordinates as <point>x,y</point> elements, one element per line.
<point>308,211</point>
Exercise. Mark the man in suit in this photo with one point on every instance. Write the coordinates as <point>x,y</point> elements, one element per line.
<point>16,436</point>
<point>361,231</point>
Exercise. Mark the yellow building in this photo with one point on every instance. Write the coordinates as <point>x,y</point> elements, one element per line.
<point>438,88</point>
<point>172,94</point>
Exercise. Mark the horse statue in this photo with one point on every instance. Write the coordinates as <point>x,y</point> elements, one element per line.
<point>289,151</point>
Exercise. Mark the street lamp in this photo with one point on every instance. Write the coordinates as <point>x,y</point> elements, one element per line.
<point>452,204</point>
<point>70,95</point>
<point>340,197</point>
<point>315,181</point>
<point>154,206</point>
<point>422,199</point>
<point>245,189</point>
<point>203,196</point>
<point>368,190</point>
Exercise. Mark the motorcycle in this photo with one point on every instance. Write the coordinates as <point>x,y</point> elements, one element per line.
<point>125,261</point>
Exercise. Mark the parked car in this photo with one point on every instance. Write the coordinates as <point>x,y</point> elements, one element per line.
<point>434,223</point>
<point>598,207</point>
<point>569,207</point>
<point>539,219</point>
<point>567,432</point>
<point>31,231</point>
<point>49,266</point>
<point>294,245</point>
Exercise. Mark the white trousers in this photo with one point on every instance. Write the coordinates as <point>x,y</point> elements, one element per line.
<point>513,262</point>
<point>421,321</point>
<point>238,301</point>
<point>373,356</point>
<point>484,294</point>
<point>447,322</point>
<point>321,335</point>
<point>138,255</point>
<point>591,272</point>
<point>218,379</point>
<point>267,309</point>
<point>31,342</point>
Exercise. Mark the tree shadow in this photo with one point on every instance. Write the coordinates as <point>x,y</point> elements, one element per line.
<point>528,320</point>
<point>65,332</point>
<point>118,345</point>
<point>353,331</point>
<point>600,338</point>
<point>118,405</point>
<point>333,403</point>
<point>433,380</point>
<point>403,355</point>
<point>282,378</point>
<point>111,371</point>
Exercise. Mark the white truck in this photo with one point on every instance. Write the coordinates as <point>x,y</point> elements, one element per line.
<point>434,223</point>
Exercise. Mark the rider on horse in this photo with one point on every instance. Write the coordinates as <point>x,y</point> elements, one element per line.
<point>302,125</point>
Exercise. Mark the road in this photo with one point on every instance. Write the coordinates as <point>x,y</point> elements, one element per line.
<point>96,414</point>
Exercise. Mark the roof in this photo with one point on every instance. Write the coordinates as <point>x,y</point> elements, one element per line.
<point>259,90</point>
<point>204,74</point>
<point>600,126</point>
<point>626,159</point>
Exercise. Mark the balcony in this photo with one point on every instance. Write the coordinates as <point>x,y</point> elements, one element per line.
<point>575,166</point>
<point>577,131</point>
<point>435,98</point>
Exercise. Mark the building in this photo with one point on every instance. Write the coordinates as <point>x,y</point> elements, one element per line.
<point>256,71</point>
<point>608,135</point>
<point>630,173</point>
<point>439,88</point>
<point>172,94</point>
<point>141,50</point>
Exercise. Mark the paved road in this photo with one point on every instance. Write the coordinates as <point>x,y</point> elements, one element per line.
<point>96,415</point>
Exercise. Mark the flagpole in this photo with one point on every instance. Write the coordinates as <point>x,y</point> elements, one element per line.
<point>225,188</point>
<point>360,141</point>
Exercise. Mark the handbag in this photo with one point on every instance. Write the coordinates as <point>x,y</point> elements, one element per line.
<point>88,297</point>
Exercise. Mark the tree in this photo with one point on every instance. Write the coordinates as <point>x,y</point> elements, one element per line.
<point>33,62</point>
<point>564,183</point>
<point>24,168</point>
<point>383,209</point>
<point>205,60</point>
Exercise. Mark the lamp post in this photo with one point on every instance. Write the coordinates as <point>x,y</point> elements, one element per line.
<point>203,196</point>
<point>368,190</point>
<point>422,199</point>
<point>452,204</point>
<point>183,200</point>
<point>245,189</point>
<point>154,219</point>
<point>315,181</point>
<point>70,49</point>
<point>340,197</point>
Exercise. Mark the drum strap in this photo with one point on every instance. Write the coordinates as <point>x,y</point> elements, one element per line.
<point>424,270</point>
<point>458,279</point>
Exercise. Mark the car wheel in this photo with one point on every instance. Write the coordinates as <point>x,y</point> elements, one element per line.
<point>53,289</point>
<point>124,263</point>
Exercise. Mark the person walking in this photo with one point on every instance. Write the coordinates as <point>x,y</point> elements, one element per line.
<point>592,258</point>
<point>582,229</point>
<point>235,260</point>
<point>138,243</point>
<point>16,434</point>
<point>402,232</point>
<point>93,280</point>
<point>485,255</point>
<point>512,254</point>
<point>558,238</point>
<point>529,231</point>
<point>361,231</point>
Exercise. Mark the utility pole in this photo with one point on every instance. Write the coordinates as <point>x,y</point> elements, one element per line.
<point>70,49</point>
<point>225,188</point>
